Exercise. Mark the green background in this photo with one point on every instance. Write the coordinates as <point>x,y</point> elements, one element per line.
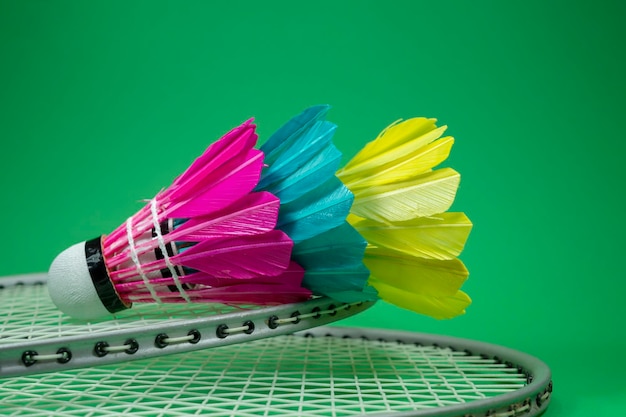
<point>103,104</point>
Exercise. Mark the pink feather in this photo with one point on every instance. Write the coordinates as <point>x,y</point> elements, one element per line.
<point>253,214</point>
<point>239,295</point>
<point>226,187</point>
<point>228,148</point>
<point>239,257</point>
<point>219,161</point>
<point>291,277</point>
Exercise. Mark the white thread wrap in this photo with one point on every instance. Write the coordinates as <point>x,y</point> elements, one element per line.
<point>162,246</point>
<point>135,258</point>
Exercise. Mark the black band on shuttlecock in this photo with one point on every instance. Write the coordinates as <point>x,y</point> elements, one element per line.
<point>100,277</point>
<point>164,227</point>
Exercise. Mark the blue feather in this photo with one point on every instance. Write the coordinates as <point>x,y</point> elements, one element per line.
<point>333,264</point>
<point>301,164</point>
<point>336,248</point>
<point>276,144</point>
<point>306,178</point>
<point>297,151</point>
<point>345,285</point>
<point>322,209</point>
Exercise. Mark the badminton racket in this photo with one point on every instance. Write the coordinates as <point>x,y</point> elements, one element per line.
<point>324,371</point>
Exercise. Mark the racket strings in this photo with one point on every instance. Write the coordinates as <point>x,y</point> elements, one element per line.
<point>288,375</point>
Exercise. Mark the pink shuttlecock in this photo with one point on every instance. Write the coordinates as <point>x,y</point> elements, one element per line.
<point>200,240</point>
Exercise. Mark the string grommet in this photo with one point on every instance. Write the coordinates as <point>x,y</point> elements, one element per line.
<point>28,357</point>
<point>295,315</point>
<point>100,349</point>
<point>159,340</point>
<point>66,355</point>
<point>272,322</point>
<point>133,348</point>
<point>221,331</point>
<point>196,336</point>
<point>250,325</point>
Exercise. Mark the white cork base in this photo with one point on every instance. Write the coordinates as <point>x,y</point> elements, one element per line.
<point>70,285</point>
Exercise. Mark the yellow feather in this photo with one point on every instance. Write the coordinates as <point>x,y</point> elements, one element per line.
<point>409,166</point>
<point>425,195</point>
<point>431,277</point>
<point>440,237</point>
<point>445,307</point>
<point>400,209</point>
<point>392,145</point>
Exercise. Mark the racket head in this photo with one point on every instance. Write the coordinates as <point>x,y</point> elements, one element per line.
<point>35,337</point>
<point>319,372</point>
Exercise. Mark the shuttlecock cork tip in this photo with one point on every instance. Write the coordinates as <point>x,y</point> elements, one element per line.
<point>78,284</point>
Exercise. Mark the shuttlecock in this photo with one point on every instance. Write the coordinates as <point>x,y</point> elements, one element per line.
<point>277,225</point>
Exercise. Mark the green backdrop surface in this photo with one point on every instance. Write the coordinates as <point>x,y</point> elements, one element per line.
<point>102,104</point>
